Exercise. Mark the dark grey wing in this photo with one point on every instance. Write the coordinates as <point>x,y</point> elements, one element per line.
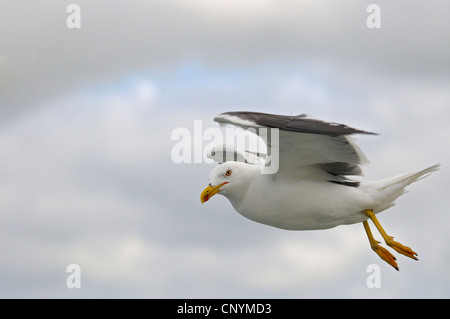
<point>307,147</point>
<point>299,123</point>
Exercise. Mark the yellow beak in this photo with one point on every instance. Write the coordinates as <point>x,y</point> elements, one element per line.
<point>210,191</point>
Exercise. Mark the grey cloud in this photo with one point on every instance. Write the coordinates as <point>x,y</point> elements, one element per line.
<point>40,57</point>
<point>87,178</point>
<point>97,188</point>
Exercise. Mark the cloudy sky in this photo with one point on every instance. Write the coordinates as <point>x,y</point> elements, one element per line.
<point>87,115</point>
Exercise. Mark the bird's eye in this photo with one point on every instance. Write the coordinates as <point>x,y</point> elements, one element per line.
<point>228,172</point>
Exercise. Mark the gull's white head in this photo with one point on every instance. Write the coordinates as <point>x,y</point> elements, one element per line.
<point>230,179</point>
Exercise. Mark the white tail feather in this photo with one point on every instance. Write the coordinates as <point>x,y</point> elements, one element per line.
<point>388,190</point>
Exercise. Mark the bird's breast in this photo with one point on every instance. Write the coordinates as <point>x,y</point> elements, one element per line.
<point>304,205</point>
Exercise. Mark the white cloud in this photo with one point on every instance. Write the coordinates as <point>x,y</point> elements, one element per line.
<point>49,59</point>
<point>86,175</point>
<point>88,179</point>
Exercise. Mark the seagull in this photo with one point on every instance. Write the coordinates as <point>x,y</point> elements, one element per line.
<point>311,188</point>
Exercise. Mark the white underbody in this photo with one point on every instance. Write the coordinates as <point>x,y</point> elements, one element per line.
<point>309,205</point>
<point>306,205</point>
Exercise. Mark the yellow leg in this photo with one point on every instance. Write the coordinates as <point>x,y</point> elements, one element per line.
<point>404,250</point>
<point>381,251</point>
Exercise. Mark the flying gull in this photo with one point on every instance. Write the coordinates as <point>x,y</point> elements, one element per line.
<point>311,188</point>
